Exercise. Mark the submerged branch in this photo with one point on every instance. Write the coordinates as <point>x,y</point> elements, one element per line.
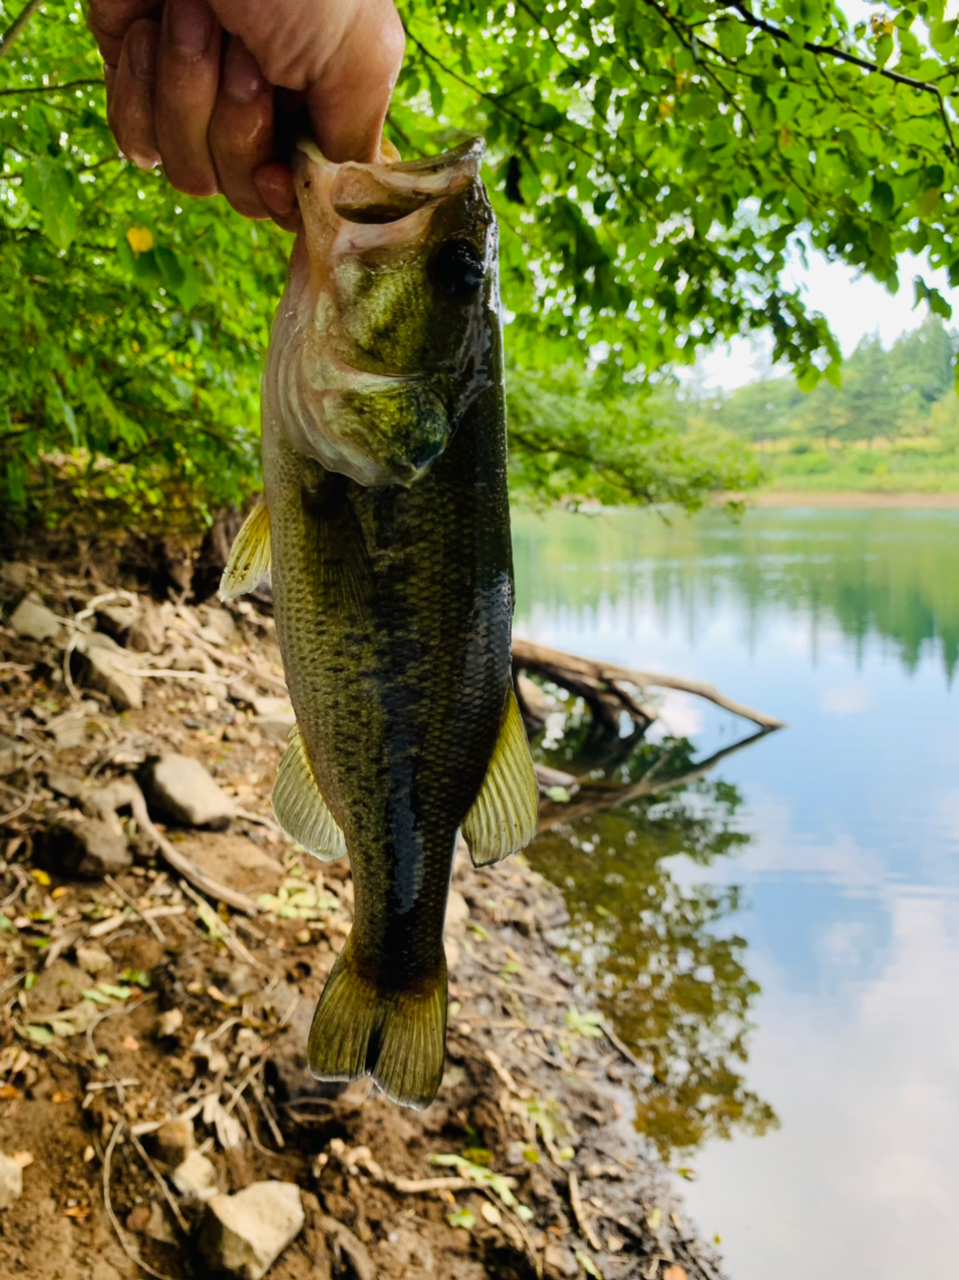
<point>560,667</point>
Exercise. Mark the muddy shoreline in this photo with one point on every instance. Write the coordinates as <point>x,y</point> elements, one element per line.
<point>127,998</point>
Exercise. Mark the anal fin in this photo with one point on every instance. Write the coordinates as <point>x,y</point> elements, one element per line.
<point>249,557</point>
<point>503,817</point>
<point>300,808</point>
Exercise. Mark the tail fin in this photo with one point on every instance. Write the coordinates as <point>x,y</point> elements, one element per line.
<point>397,1037</point>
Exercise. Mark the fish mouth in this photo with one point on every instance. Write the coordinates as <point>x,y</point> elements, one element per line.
<point>386,202</point>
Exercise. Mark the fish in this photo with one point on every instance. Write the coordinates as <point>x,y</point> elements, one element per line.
<point>385,527</point>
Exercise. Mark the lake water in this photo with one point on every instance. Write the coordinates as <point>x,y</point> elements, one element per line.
<point>806,888</point>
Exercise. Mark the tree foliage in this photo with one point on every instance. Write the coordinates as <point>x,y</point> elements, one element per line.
<point>653,165</point>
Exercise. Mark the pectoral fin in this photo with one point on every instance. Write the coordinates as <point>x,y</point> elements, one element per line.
<point>300,808</point>
<point>249,556</point>
<point>503,817</point>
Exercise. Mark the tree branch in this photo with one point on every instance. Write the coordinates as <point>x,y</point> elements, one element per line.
<point>43,88</point>
<point>842,55</point>
<point>16,27</point>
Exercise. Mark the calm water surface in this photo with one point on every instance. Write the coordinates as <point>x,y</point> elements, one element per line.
<point>806,887</point>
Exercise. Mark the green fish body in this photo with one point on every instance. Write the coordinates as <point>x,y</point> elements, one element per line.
<point>393,606</point>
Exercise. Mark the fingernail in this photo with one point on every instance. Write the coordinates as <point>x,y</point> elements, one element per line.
<point>277,195</point>
<point>242,78</point>
<point>191,26</point>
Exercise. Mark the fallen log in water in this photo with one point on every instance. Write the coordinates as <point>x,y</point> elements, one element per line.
<point>608,689</point>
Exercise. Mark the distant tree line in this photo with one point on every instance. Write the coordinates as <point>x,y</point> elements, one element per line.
<point>907,391</point>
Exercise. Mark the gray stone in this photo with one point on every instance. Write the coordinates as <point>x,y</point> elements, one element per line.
<point>147,629</point>
<point>92,959</point>
<point>11,754</point>
<point>103,1270</point>
<point>116,620</point>
<point>244,1234</point>
<point>180,788</point>
<point>105,666</point>
<point>243,693</point>
<point>11,1182</point>
<point>34,621</point>
<point>559,1261</point>
<point>158,1226</point>
<point>64,784</point>
<point>219,620</point>
<point>16,574</point>
<point>195,1178</point>
<point>274,718</point>
<point>88,848</point>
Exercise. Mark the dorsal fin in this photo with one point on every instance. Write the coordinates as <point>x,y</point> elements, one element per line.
<point>300,808</point>
<point>249,556</point>
<point>503,817</point>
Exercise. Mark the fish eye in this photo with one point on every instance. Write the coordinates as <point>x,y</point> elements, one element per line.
<point>457,270</point>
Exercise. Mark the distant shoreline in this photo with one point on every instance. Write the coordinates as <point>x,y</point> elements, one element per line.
<point>849,501</point>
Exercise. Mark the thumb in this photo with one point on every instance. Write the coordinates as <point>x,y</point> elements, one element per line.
<point>348,104</point>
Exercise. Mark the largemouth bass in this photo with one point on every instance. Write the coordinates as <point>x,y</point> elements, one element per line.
<point>386,525</point>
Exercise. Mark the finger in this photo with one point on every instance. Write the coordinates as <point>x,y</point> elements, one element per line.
<point>109,20</point>
<point>188,73</point>
<point>274,182</point>
<point>241,131</point>
<point>348,104</point>
<point>130,98</point>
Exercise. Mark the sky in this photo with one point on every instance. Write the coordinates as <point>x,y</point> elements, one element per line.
<point>854,305</point>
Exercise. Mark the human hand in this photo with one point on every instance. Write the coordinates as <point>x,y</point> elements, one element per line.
<point>196,85</point>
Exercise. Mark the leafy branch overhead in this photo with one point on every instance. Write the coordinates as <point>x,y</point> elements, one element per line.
<point>656,161</point>
<point>656,166</point>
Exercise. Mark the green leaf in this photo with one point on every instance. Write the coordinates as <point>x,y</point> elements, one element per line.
<point>462,1218</point>
<point>39,1035</point>
<point>928,202</point>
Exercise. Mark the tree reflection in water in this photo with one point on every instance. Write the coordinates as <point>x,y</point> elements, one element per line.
<point>675,987</point>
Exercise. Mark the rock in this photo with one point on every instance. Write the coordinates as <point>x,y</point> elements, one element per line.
<point>92,959</point>
<point>147,628</point>
<point>174,1141</point>
<point>243,693</point>
<point>218,620</point>
<point>168,1023</point>
<point>244,1234</point>
<point>87,847</point>
<point>559,1262</point>
<point>274,718</point>
<point>65,784</point>
<point>11,754</point>
<point>11,1181</point>
<point>34,621</point>
<point>103,666</point>
<point>16,574</point>
<point>195,1178</point>
<point>104,1270</point>
<point>59,985</point>
<point>180,788</point>
<point>158,1226</point>
<point>116,620</point>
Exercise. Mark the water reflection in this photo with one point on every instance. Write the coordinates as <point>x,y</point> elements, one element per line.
<point>658,954</point>
<point>846,625</point>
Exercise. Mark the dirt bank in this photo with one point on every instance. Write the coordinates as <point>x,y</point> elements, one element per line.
<point>128,998</point>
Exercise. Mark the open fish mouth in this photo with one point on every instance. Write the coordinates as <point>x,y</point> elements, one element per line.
<point>387,191</point>
<point>379,343</point>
